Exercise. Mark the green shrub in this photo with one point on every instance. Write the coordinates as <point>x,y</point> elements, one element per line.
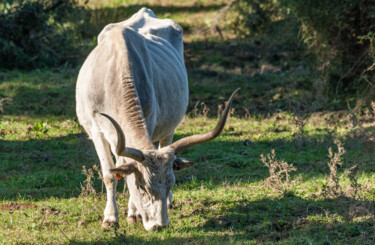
<point>34,34</point>
<point>254,17</point>
<point>340,34</point>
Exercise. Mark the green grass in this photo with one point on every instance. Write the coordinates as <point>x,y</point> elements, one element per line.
<point>223,198</point>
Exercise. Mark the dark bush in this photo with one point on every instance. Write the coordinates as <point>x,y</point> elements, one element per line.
<point>341,35</point>
<point>35,34</point>
<point>254,17</point>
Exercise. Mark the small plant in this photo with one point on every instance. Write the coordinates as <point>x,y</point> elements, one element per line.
<point>2,101</point>
<point>354,187</point>
<point>200,106</point>
<point>205,109</point>
<point>279,170</point>
<point>88,188</point>
<point>97,169</point>
<point>300,122</point>
<point>333,188</point>
<point>39,129</point>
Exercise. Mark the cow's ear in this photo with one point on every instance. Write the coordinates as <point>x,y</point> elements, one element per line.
<point>181,163</point>
<point>123,169</point>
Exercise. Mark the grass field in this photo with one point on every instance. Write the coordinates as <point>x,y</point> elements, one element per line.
<point>227,197</point>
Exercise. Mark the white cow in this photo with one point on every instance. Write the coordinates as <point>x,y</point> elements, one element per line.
<point>137,75</point>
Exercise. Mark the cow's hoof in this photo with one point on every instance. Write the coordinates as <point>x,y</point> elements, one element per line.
<point>170,205</point>
<point>131,220</point>
<point>107,224</point>
<point>134,219</point>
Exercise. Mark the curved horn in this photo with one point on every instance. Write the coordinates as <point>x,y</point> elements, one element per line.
<point>186,142</point>
<point>121,150</point>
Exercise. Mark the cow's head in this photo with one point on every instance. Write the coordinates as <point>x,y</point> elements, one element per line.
<point>150,176</point>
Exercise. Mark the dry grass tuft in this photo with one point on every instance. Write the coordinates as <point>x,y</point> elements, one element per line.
<point>3,101</point>
<point>354,187</point>
<point>200,109</point>
<point>333,188</point>
<point>97,169</point>
<point>88,187</point>
<point>279,170</point>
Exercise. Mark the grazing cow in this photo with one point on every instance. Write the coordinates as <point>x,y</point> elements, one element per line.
<point>137,75</point>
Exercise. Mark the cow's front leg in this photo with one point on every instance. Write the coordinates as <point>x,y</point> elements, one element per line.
<point>103,149</point>
<point>110,211</point>
<point>133,216</point>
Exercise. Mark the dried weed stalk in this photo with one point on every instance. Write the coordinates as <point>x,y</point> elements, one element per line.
<point>2,101</point>
<point>333,188</point>
<point>195,110</point>
<point>353,117</point>
<point>88,187</point>
<point>205,109</point>
<point>300,122</point>
<point>279,170</point>
<point>200,106</point>
<point>220,109</point>
<point>97,169</point>
<point>354,187</point>
<point>359,133</point>
<point>300,119</point>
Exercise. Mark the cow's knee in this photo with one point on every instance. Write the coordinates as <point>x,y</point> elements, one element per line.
<point>109,181</point>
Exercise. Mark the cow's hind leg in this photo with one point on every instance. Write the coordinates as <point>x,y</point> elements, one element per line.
<point>165,142</point>
<point>103,150</point>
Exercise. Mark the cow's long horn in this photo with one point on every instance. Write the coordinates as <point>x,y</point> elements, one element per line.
<point>121,150</point>
<point>186,142</point>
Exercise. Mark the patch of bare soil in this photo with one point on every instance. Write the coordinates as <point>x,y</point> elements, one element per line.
<point>16,206</point>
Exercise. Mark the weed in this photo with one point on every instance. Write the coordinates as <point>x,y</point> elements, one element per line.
<point>2,101</point>
<point>354,187</point>
<point>279,170</point>
<point>333,188</point>
<point>97,169</point>
<point>205,109</point>
<point>359,133</point>
<point>220,109</point>
<point>200,109</point>
<point>88,188</point>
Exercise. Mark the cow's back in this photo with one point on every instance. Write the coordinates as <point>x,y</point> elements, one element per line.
<point>155,51</point>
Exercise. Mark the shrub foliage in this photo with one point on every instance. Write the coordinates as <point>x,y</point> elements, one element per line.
<point>33,34</point>
<point>340,34</point>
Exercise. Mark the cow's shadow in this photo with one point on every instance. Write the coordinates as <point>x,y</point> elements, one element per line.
<point>41,168</point>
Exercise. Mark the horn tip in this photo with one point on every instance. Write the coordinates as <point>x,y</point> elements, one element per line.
<point>237,89</point>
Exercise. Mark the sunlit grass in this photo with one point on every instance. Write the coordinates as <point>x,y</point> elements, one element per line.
<point>223,198</point>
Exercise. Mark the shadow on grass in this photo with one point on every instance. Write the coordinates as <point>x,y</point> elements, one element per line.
<point>41,168</point>
<point>219,161</point>
<point>37,168</point>
<point>289,218</point>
